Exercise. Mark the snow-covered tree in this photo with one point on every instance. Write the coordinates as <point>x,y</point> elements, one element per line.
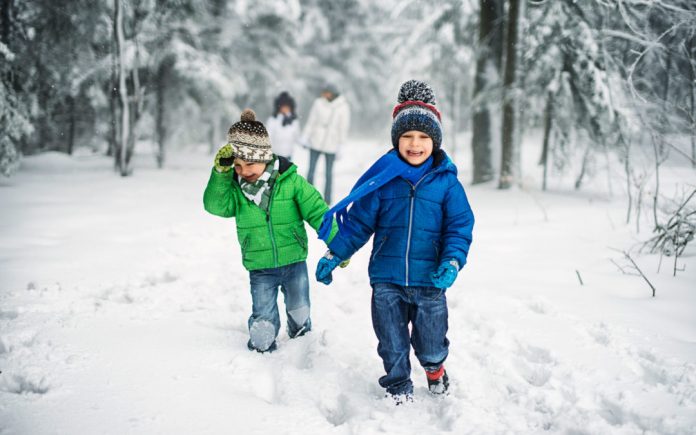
<point>14,117</point>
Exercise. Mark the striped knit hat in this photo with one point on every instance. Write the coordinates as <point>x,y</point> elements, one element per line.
<point>416,111</point>
<point>249,139</point>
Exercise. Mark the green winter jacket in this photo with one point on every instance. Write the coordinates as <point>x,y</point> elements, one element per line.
<point>276,238</point>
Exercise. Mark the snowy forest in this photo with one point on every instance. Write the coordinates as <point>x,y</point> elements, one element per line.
<point>572,123</point>
<point>597,76</point>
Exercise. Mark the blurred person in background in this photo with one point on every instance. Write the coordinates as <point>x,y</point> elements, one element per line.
<point>283,126</point>
<point>326,131</point>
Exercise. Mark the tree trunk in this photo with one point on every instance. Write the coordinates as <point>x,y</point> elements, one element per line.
<point>44,136</point>
<point>627,169</point>
<point>659,140</point>
<point>691,57</point>
<point>548,121</point>
<point>509,105</point>
<point>5,21</point>
<point>488,63</point>
<point>73,121</point>
<point>456,104</point>
<point>136,102</point>
<point>583,168</point>
<point>112,151</point>
<point>213,141</point>
<point>122,91</point>
<point>160,125</point>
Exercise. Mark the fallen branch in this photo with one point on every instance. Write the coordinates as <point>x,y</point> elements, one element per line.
<point>621,269</point>
<point>635,267</point>
<point>640,271</point>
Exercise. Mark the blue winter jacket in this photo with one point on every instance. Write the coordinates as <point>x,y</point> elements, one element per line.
<point>416,226</point>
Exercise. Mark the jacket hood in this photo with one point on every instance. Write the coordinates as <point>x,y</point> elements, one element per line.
<point>442,162</point>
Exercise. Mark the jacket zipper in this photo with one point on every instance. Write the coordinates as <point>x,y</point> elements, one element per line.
<point>410,219</point>
<point>270,232</point>
<point>410,223</point>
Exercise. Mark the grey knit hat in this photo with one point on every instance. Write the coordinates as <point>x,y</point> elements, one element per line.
<point>249,139</point>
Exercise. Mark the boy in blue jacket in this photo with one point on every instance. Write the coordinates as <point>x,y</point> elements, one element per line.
<point>413,203</point>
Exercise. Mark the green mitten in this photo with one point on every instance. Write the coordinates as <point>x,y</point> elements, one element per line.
<point>225,152</point>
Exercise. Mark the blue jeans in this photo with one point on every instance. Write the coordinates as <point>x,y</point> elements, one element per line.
<point>264,322</point>
<point>393,308</point>
<point>313,158</point>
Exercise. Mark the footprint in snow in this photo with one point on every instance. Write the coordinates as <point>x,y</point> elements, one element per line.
<point>23,382</point>
<point>534,364</point>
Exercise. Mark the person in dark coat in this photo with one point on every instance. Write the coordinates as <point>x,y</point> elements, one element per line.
<point>419,214</point>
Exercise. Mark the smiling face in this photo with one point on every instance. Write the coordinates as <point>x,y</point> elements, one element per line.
<point>415,147</point>
<point>248,171</point>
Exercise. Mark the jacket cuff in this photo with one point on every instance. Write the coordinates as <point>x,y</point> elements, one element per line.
<point>339,247</point>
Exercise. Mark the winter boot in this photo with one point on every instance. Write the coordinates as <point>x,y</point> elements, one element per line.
<point>438,381</point>
<point>299,333</point>
<point>270,349</point>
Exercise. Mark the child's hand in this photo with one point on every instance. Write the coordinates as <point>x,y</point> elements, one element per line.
<point>327,263</point>
<point>226,152</point>
<point>446,274</point>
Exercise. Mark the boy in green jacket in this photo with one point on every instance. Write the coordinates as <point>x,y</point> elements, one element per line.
<point>270,202</point>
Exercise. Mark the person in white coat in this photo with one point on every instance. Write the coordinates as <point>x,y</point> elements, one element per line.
<point>326,132</point>
<point>284,127</point>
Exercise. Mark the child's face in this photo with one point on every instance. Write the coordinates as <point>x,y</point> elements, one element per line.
<point>415,147</point>
<point>285,110</point>
<point>248,171</point>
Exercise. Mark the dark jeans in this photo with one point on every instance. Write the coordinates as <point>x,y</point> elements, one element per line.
<point>393,308</point>
<point>313,158</point>
<point>264,322</point>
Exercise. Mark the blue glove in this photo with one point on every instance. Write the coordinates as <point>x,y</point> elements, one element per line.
<point>446,274</point>
<point>327,263</point>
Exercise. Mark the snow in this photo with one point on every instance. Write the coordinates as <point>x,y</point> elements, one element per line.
<point>123,309</point>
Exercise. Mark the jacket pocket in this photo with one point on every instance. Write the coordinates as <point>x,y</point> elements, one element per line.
<point>299,239</point>
<point>436,245</point>
<point>379,247</point>
<point>245,245</point>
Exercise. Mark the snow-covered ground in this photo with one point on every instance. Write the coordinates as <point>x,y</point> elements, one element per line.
<point>123,309</point>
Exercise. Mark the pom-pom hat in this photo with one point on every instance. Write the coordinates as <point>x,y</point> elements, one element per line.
<point>249,139</point>
<point>416,111</point>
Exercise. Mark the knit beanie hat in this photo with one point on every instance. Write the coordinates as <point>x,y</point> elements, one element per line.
<point>416,111</point>
<point>249,139</point>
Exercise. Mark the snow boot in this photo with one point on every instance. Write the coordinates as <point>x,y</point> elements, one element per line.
<point>438,381</point>
<point>270,349</point>
<point>299,333</point>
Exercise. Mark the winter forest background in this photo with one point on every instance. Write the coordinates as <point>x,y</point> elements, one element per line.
<point>572,123</point>
<point>597,76</point>
<point>600,79</point>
